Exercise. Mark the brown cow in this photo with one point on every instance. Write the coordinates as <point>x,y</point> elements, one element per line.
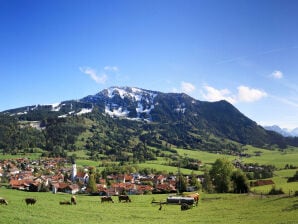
<point>124,198</point>
<point>196,197</point>
<point>30,201</point>
<point>73,200</point>
<point>106,198</point>
<point>3,201</point>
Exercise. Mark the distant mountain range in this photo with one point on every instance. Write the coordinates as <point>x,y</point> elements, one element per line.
<point>120,118</point>
<point>283,131</point>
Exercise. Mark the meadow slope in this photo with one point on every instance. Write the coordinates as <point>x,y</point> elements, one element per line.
<point>213,208</point>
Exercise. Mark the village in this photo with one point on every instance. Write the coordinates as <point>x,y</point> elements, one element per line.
<point>60,175</point>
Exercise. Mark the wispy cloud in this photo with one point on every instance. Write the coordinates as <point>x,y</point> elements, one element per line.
<point>244,94</point>
<point>187,87</point>
<point>277,74</point>
<point>285,101</point>
<point>249,56</point>
<point>111,68</point>
<point>93,75</point>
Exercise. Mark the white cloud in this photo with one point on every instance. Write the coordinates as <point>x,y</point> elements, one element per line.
<point>277,74</point>
<point>93,75</point>
<point>212,94</point>
<point>187,87</point>
<point>111,68</point>
<point>244,94</point>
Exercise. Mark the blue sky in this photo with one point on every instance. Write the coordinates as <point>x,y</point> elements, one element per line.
<point>243,51</point>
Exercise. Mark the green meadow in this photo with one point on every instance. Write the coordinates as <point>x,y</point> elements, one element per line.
<point>256,207</point>
<point>212,208</point>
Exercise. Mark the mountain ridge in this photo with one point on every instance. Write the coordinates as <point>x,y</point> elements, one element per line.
<point>283,131</point>
<point>126,118</point>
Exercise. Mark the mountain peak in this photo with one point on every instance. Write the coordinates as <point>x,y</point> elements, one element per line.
<point>283,131</point>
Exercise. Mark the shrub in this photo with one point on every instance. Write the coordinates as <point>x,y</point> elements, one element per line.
<point>275,191</point>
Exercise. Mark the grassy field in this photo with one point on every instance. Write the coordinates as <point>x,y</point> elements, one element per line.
<point>274,157</point>
<point>280,181</point>
<point>213,208</point>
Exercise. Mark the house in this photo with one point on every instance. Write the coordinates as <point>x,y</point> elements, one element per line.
<point>141,189</point>
<point>20,184</point>
<point>59,187</point>
<point>13,171</point>
<point>164,188</point>
<point>72,189</point>
<point>159,179</point>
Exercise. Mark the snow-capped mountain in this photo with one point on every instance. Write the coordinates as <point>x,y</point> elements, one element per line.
<point>132,103</point>
<point>176,116</point>
<point>283,131</point>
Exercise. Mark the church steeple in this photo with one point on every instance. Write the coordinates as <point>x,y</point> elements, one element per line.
<point>74,169</point>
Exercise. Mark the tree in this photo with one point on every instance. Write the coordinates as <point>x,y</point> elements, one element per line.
<point>293,178</point>
<point>240,182</point>
<point>220,174</point>
<point>181,183</point>
<point>194,181</point>
<point>207,183</point>
<point>91,185</point>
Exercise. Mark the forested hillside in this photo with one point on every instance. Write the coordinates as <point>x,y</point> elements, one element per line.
<point>131,124</point>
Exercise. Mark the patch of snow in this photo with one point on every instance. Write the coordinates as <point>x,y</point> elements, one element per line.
<point>62,116</point>
<point>21,113</point>
<point>55,107</point>
<point>140,109</point>
<point>111,92</point>
<point>180,110</point>
<point>136,90</point>
<point>136,97</point>
<point>143,99</point>
<point>116,112</point>
<point>33,108</point>
<point>85,111</point>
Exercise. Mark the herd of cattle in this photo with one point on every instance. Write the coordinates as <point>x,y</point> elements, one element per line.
<point>185,202</point>
<point>73,200</point>
<point>29,201</point>
<point>124,198</point>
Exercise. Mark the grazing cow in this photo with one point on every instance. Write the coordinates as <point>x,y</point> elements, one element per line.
<point>30,201</point>
<point>73,200</point>
<point>107,198</point>
<point>124,198</point>
<point>65,203</point>
<point>185,206</point>
<point>3,201</point>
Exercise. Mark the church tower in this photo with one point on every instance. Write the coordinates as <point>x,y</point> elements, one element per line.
<point>74,170</point>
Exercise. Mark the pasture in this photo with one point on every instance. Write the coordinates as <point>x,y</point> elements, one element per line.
<point>280,179</point>
<point>212,208</point>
